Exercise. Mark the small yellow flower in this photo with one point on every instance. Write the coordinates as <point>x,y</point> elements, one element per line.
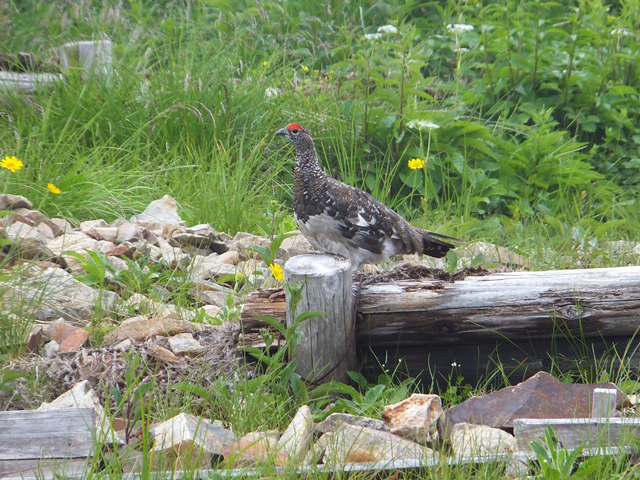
<point>416,163</point>
<point>11,163</point>
<point>53,189</point>
<point>276,271</point>
<point>239,277</point>
<point>265,63</point>
<point>305,69</point>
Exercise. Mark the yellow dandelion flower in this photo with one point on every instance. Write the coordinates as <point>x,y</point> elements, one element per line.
<point>11,163</point>
<point>276,271</point>
<point>305,69</point>
<point>53,189</point>
<point>265,63</point>
<point>416,163</point>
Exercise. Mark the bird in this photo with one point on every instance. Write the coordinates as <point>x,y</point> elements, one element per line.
<point>343,220</point>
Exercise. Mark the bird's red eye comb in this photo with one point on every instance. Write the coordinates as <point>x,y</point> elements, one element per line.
<point>294,126</point>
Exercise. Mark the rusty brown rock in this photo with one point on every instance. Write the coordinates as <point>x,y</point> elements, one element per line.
<point>69,337</point>
<point>414,418</point>
<point>541,396</point>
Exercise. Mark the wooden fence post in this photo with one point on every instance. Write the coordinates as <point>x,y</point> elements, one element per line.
<point>326,347</point>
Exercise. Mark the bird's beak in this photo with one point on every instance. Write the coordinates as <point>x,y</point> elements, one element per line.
<point>283,131</point>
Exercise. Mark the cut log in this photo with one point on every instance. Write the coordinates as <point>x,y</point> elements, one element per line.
<point>325,349</point>
<point>515,321</point>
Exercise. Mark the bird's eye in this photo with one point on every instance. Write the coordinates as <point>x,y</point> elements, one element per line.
<point>295,130</point>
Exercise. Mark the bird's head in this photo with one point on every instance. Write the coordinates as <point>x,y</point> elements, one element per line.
<point>299,136</point>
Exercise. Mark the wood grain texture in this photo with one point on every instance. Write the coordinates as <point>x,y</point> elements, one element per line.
<point>515,305</point>
<point>326,346</point>
<point>577,432</point>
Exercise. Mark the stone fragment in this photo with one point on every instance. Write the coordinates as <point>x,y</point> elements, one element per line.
<point>185,344</point>
<point>88,225</point>
<point>164,355</point>
<point>469,440</point>
<point>130,232</point>
<point>69,337</point>
<point>36,339</point>
<point>50,349</point>
<point>243,241</point>
<point>140,328</point>
<point>28,239</point>
<point>158,212</point>
<point>105,233</point>
<point>253,448</point>
<point>292,246</point>
<point>82,395</point>
<point>74,242</point>
<point>54,293</point>
<point>13,202</point>
<point>351,444</point>
<point>63,226</point>
<point>173,257</point>
<point>204,268</point>
<point>45,230</point>
<point>415,418</point>
<point>201,237</point>
<point>333,421</point>
<point>33,217</point>
<point>209,293</point>
<point>296,439</point>
<point>187,442</point>
<point>541,396</point>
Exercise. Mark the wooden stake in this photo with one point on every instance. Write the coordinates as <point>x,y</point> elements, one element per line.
<point>326,346</point>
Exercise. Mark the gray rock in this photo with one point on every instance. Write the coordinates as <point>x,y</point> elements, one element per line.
<point>350,444</point>
<point>54,293</point>
<point>204,268</point>
<point>87,226</point>
<point>61,225</point>
<point>292,246</point>
<point>29,240</point>
<point>158,212</point>
<point>13,202</point>
<point>333,421</point>
<point>296,439</point>
<point>469,440</point>
<point>50,349</point>
<point>200,237</point>
<point>130,232</point>
<point>185,344</point>
<point>173,257</point>
<point>73,241</point>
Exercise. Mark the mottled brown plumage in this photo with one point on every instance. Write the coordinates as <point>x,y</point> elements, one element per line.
<point>340,219</point>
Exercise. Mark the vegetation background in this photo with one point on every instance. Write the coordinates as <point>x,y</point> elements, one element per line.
<point>524,116</point>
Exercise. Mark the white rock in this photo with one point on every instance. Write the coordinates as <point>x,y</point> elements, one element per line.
<point>72,241</point>
<point>50,349</point>
<point>204,268</point>
<point>31,242</point>
<point>130,232</point>
<point>415,418</point>
<point>86,227</point>
<point>12,202</point>
<point>296,439</point>
<point>475,440</point>
<point>185,344</point>
<point>164,210</point>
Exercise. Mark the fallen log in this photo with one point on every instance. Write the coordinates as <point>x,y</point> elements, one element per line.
<point>482,320</point>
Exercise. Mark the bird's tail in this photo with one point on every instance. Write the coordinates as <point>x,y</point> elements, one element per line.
<point>435,244</point>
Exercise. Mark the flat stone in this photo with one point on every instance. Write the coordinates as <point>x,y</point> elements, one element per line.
<point>69,337</point>
<point>172,256</point>
<point>138,329</point>
<point>29,240</point>
<point>50,349</point>
<point>468,440</point>
<point>209,293</point>
<point>130,232</point>
<point>541,396</point>
<point>296,439</point>
<point>186,441</point>
<point>45,230</point>
<point>230,258</point>
<point>34,216</point>
<point>61,224</point>
<point>351,444</point>
<point>333,421</point>
<point>185,344</point>
<point>294,245</point>
<point>415,418</point>
<point>254,447</point>
<point>204,268</point>
<point>164,355</point>
<point>105,233</point>
<point>72,241</point>
<point>201,237</point>
<point>13,202</point>
<point>54,293</point>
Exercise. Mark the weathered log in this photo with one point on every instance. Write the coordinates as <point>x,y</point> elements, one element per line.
<point>518,322</point>
<point>325,349</point>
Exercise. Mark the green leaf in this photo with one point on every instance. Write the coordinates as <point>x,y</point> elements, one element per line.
<point>192,388</point>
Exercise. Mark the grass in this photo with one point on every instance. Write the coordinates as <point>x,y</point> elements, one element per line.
<point>536,147</point>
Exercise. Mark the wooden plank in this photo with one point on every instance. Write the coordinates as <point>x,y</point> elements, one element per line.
<point>35,434</point>
<point>28,82</point>
<point>515,305</point>
<point>571,433</point>
<point>325,349</point>
<point>42,469</point>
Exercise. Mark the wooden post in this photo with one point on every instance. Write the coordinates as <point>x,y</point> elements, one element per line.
<point>326,347</point>
<point>604,402</point>
<point>92,57</point>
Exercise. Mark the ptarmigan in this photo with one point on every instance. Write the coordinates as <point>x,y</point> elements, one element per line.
<point>340,219</point>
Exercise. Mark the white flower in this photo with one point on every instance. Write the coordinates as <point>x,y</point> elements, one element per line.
<point>372,36</point>
<point>271,92</point>
<point>387,29</point>
<point>422,125</point>
<point>623,32</point>
<point>457,28</point>
<point>454,364</point>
